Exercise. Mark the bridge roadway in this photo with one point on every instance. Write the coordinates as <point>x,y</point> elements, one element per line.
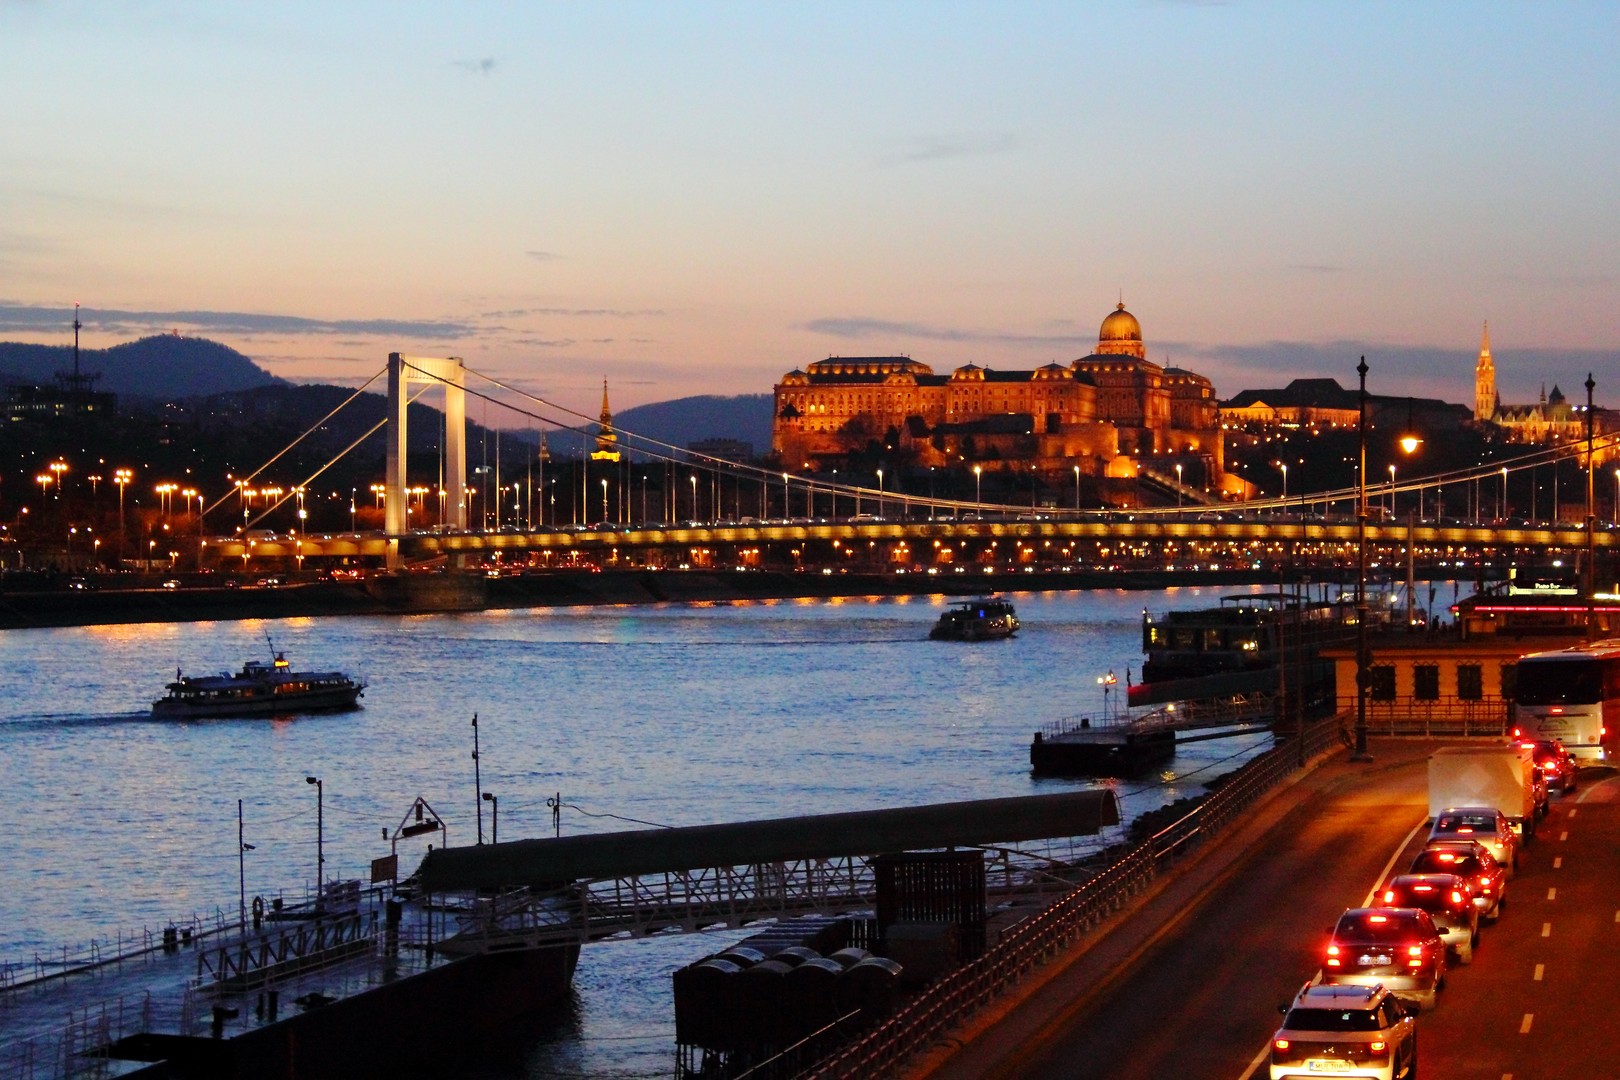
<point>1188,984</point>
<point>1095,527</point>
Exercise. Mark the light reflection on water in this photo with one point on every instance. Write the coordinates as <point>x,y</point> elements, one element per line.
<point>671,714</point>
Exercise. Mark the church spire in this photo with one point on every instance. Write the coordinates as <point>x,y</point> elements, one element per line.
<point>1485,397</point>
<point>607,440</point>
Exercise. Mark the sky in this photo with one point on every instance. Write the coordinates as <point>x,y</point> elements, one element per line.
<point>695,198</point>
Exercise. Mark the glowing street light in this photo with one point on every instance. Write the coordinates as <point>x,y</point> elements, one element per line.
<point>1077,487</point>
<point>122,478</point>
<point>1502,510</point>
<point>880,492</point>
<point>58,468</point>
<point>978,495</point>
<point>1178,485</point>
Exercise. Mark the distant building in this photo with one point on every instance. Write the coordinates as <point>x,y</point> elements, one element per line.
<point>25,402</point>
<point>1317,404</point>
<point>1552,419</point>
<point>1102,413</point>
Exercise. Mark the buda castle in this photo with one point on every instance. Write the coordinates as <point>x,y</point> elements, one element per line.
<point>1109,413</point>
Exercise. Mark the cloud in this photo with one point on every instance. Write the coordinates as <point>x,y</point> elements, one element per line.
<point>945,148</point>
<point>862,327</point>
<point>15,316</point>
<point>484,67</point>
<point>543,256</point>
<point>616,313</point>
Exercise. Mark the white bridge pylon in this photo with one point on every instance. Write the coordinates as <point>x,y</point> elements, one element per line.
<point>450,373</point>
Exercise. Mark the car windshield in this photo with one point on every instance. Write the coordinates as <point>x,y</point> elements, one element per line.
<point>1301,1019</point>
<point>1428,898</point>
<point>1376,927</point>
<point>1446,862</point>
<point>1459,822</point>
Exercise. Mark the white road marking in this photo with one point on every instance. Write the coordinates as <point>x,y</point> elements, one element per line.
<point>1383,874</point>
<point>1546,929</point>
<point>1558,863</point>
<point>1552,894</point>
<point>1572,811</point>
<point>1541,969</point>
<point>1563,836</point>
<point>1261,1058</point>
<point>1524,1028</point>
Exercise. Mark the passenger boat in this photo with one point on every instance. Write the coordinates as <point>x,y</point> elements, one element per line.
<point>1239,646</point>
<point>984,619</point>
<point>259,689</point>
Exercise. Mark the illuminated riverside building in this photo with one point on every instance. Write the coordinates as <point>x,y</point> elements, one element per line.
<point>1108,413</point>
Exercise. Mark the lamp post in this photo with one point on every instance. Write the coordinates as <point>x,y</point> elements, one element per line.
<point>880,492</point>
<point>605,515</point>
<point>58,468</point>
<point>494,817</point>
<point>1392,492</point>
<point>1077,487</point>
<point>320,836</point>
<point>1501,511</point>
<point>1178,485</point>
<point>978,472</point>
<point>1284,467</point>
<point>1614,511</point>
<point>242,848</point>
<point>1363,674</point>
<point>121,477</point>
<point>1591,519</point>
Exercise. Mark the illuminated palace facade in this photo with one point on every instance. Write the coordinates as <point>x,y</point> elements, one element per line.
<point>1109,413</point>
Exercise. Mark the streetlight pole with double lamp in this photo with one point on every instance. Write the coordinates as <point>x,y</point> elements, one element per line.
<point>320,836</point>
<point>1363,672</point>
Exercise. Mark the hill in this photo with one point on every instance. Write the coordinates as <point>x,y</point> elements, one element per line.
<point>161,366</point>
<point>687,420</point>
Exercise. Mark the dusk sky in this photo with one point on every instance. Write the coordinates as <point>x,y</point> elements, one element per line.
<point>691,198</point>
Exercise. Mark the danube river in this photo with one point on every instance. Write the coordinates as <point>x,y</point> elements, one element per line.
<point>666,715</point>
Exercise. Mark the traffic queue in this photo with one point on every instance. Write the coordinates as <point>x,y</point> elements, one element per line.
<point>1384,965</point>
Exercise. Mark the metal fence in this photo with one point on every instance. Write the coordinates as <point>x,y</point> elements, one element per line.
<point>1439,717</point>
<point>1036,940</point>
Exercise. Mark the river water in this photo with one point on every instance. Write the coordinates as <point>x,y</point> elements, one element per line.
<point>668,715</point>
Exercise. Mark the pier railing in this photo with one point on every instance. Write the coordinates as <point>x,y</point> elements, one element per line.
<point>1036,940</point>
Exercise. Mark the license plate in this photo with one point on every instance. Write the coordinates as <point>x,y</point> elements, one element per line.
<point>1328,1065</point>
<point>1373,959</point>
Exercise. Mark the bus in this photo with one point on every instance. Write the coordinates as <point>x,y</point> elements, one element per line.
<point>1572,695</point>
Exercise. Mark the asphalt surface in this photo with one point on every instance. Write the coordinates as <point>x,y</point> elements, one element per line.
<point>1187,985</point>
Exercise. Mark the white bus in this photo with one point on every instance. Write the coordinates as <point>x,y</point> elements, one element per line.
<point>1572,695</point>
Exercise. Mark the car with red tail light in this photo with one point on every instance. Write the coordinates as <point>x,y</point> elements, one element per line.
<point>1397,948</point>
<point>1361,1031</point>
<point>1449,900</point>
<point>1470,860</point>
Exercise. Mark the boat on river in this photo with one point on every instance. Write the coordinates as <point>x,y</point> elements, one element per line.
<point>987,618</point>
<point>1240,645</point>
<point>259,689</point>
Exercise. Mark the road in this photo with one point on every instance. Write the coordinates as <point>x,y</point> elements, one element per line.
<point>1201,999</point>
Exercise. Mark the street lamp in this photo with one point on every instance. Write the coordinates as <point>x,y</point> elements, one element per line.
<point>58,468</point>
<point>1284,467</point>
<point>1392,491</point>
<point>1363,672</point>
<point>1077,487</point>
<point>1178,485</point>
<point>604,499</point>
<point>693,478</point>
<point>494,817</point>
<point>320,836</point>
<point>121,477</point>
<point>880,492</point>
<point>1501,514</point>
<point>978,496</point>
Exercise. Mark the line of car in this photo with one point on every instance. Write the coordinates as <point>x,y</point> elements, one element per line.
<point>1383,965</point>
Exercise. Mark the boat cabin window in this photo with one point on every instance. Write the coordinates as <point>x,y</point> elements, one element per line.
<point>1470,682</point>
<point>1426,682</point>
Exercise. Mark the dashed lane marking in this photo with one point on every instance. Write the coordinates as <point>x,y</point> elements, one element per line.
<point>1546,929</point>
<point>1552,894</point>
<point>1524,1026</point>
<point>1563,835</point>
<point>1541,969</point>
<point>1558,863</point>
<point>1572,811</point>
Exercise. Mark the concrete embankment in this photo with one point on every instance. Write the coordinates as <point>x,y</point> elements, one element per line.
<point>43,604</point>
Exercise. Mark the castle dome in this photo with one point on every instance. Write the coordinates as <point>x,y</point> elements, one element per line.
<point>1120,325</point>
